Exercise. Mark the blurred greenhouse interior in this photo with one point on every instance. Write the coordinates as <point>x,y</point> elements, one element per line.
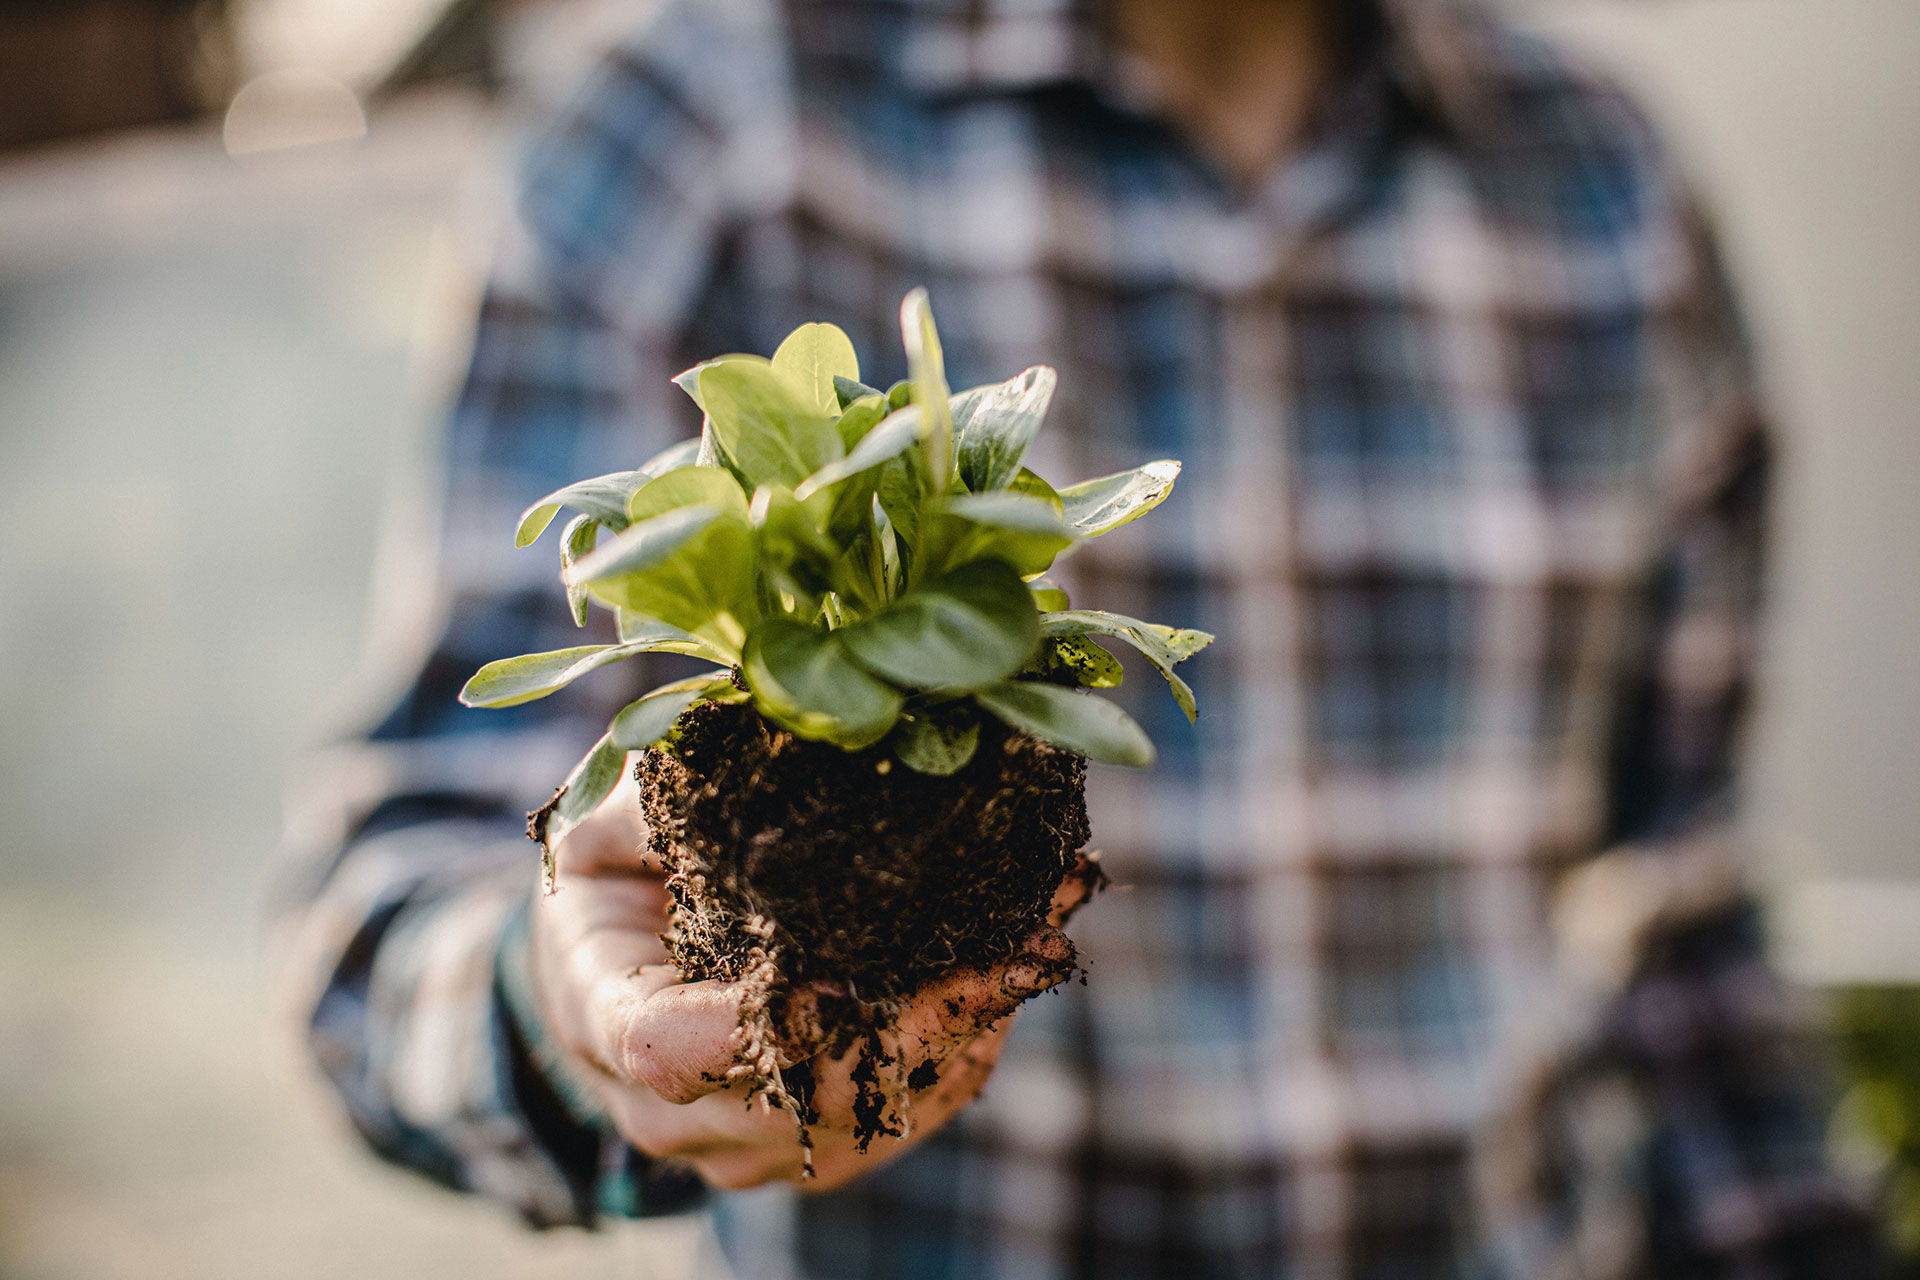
<point>238,246</point>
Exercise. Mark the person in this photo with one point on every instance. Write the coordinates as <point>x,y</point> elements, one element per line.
<point>1431,955</point>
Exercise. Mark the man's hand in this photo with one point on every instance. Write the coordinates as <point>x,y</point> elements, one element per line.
<point>655,1049</point>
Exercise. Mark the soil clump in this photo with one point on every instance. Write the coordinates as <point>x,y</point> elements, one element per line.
<point>797,865</point>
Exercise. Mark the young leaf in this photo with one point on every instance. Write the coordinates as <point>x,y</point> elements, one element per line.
<point>603,497</point>
<point>1068,718</point>
<point>804,679</point>
<point>686,487</point>
<point>902,488</point>
<point>650,717</point>
<point>812,359</point>
<point>771,434</point>
<point>936,744</point>
<point>509,682</point>
<point>643,545</point>
<point>691,568</point>
<point>892,437</point>
<point>999,426</point>
<point>1094,507</point>
<point>1015,527</point>
<point>1048,595</point>
<point>889,550</point>
<point>849,390</point>
<point>1025,481</point>
<point>688,380</point>
<point>859,418</point>
<point>576,543</point>
<point>970,627</point>
<point>591,781</point>
<point>929,377</point>
<point>1162,646</point>
<point>790,542</point>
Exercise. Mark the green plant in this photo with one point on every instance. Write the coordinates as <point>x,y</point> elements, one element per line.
<point>865,566</point>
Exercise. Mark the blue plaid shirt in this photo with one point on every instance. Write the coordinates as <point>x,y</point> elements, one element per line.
<point>1431,955</point>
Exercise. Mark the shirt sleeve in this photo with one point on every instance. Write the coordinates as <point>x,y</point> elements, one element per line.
<point>409,866</point>
<point>1694,1109</point>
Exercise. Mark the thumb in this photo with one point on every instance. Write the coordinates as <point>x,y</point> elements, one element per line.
<point>676,1039</point>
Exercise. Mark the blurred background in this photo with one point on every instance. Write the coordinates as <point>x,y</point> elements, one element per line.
<point>239,241</point>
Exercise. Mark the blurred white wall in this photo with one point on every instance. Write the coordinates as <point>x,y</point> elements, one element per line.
<point>1801,120</point>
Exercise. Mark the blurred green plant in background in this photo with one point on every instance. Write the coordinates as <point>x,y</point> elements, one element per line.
<point>1876,1127</point>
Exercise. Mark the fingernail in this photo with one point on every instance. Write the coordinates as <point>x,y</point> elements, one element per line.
<point>1030,975</point>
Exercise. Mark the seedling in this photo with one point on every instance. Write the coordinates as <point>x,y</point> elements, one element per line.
<point>880,776</point>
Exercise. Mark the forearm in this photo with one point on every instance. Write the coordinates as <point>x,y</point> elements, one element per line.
<point>390,969</point>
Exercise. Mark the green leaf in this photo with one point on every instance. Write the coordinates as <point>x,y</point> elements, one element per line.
<point>672,458</point>
<point>892,437</point>
<point>509,682</point>
<point>577,542</point>
<point>859,418</point>
<point>650,717</point>
<point>1019,528</point>
<point>850,390</point>
<point>1094,507</point>
<point>929,377</point>
<point>603,497</point>
<point>644,545</point>
<point>812,359</point>
<point>791,542</point>
<point>970,627</point>
<point>1025,481</point>
<point>999,426</point>
<point>591,782</point>
<point>937,743</point>
<point>1092,667</point>
<point>691,567</point>
<point>687,487</point>
<point>769,432</point>
<point>902,489</point>
<point>1048,595</point>
<point>806,680</point>
<point>1068,718</point>
<point>889,549</point>
<point>688,380</point>
<point>1162,646</point>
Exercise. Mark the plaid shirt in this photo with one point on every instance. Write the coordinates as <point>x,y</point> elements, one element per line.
<point>1430,955</point>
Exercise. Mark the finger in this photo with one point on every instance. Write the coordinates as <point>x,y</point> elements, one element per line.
<point>722,1123</point>
<point>959,1005</point>
<point>837,1157</point>
<point>612,839</point>
<point>585,947</point>
<point>741,1170</point>
<point>621,904</point>
<point>606,841</point>
<point>651,1029</point>
<point>959,1079</point>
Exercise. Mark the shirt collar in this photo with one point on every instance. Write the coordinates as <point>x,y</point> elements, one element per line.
<point>1434,51</point>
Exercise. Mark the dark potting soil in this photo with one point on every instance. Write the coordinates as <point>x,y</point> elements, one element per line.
<point>795,864</point>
